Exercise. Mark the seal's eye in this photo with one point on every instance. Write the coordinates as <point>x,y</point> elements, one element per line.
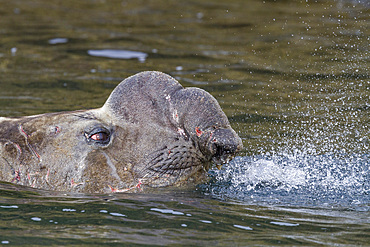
<point>99,136</point>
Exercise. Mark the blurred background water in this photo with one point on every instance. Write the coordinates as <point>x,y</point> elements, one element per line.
<point>292,76</point>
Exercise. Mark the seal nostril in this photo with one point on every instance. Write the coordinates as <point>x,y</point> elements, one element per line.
<point>219,150</point>
<point>223,145</point>
<point>225,149</point>
<point>223,153</point>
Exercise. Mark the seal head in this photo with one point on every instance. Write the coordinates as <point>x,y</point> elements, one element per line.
<point>151,132</point>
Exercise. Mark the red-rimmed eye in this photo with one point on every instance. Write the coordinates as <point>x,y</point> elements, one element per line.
<point>101,136</point>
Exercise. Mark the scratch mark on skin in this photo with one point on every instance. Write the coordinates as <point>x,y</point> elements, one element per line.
<point>47,175</point>
<point>138,185</point>
<point>17,173</point>
<point>33,183</point>
<point>128,189</point>
<point>181,132</point>
<point>19,148</point>
<point>34,180</point>
<point>114,190</point>
<point>73,184</point>
<point>175,116</point>
<point>57,130</point>
<point>17,176</point>
<point>23,133</point>
<point>198,131</point>
<point>112,167</point>
<point>210,137</point>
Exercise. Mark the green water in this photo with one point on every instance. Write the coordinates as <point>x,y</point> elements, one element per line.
<point>292,76</point>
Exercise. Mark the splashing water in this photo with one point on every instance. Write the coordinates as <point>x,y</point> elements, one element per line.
<point>323,180</point>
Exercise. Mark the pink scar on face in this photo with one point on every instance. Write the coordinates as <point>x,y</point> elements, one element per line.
<point>23,133</point>
<point>138,185</point>
<point>57,129</point>
<point>198,131</point>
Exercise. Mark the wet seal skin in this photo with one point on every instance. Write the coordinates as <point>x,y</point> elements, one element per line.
<point>151,132</point>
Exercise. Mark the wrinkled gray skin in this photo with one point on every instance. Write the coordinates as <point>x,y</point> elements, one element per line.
<point>151,132</point>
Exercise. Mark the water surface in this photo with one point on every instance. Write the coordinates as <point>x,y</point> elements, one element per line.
<point>292,76</point>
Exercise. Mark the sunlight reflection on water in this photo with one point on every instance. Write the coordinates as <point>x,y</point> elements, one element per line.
<point>118,54</point>
<point>57,41</point>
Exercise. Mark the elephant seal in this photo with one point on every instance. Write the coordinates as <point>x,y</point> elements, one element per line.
<point>151,132</point>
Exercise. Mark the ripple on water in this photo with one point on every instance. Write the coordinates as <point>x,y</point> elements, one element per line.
<point>118,54</point>
<point>11,206</point>
<point>167,211</point>
<point>284,223</point>
<point>244,227</point>
<point>57,41</point>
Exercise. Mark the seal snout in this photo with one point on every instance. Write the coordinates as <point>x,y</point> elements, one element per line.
<point>223,145</point>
